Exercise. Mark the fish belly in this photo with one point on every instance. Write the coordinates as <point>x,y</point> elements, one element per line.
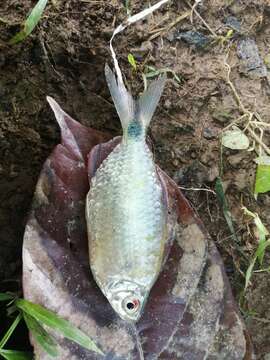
<point>126,218</point>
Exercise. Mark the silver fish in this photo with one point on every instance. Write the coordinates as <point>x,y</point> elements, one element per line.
<point>125,212</point>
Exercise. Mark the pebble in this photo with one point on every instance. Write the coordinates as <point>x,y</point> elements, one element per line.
<point>209,133</point>
<point>233,23</point>
<point>248,52</point>
<point>195,38</point>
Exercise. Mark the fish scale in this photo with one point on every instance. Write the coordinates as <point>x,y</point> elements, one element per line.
<point>125,213</point>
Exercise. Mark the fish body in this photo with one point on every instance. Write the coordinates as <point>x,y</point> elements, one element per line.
<point>125,210</point>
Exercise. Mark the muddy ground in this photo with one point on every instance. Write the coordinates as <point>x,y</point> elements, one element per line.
<point>65,58</point>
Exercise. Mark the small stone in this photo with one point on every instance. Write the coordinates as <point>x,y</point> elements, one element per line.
<point>195,38</point>
<point>248,52</point>
<point>233,23</point>
<point>209,133</point>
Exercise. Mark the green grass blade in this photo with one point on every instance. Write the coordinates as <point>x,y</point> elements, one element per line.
<point>224,204</point>
<point>30,22</point>
<point>261,250</point>
<point>263,233</point>
<point>10,330</point>
<point>249,272</point>
<point>53,321</point>
<point>259,254</point>
<point>41,335</point>
<point>16,355</point>
<point>6,296</point>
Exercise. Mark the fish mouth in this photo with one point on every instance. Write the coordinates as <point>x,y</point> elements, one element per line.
<point>127,298</point>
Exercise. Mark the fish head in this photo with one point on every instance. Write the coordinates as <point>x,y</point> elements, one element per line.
<point>127,299</point>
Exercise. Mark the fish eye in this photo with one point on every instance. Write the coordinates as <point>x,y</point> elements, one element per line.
<point>130,305</point>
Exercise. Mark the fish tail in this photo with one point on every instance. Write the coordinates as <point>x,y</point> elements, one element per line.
<point>135,115</point>
<point>149,99</point>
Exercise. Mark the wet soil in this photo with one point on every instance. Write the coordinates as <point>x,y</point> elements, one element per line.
<point>65,58</point>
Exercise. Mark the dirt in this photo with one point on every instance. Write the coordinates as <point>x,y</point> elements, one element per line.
<point>65,58</point>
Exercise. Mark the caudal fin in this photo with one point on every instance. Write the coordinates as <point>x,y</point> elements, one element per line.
<point>123,100</point>
<point>148,101</point>
<point>127,108</point>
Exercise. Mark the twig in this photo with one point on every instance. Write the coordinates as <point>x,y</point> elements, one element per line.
<point>171,25</point>
<point>258,140</point>
<point>260,123</point>
<point>241,118</point>
<point>197,189</point>
<point>202,20</point>
<point>237,97</point>
<point>196,3</point>
<point>262,270</point>
<point>246,113</point>
<point>265,321</point>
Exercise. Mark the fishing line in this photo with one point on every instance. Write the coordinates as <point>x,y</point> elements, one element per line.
<point>132,19</point>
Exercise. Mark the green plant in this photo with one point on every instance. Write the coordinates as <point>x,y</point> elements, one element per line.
<point>30,23</point>
<point>132,62</point>
<point>12,354</point>
<point>151,72</point>
<point>263,243</point>
<point>36,317</point>
<point>225,207</point>
<point>251,131</point>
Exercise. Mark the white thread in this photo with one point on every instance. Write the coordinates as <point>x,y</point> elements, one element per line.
<point>132,19</point>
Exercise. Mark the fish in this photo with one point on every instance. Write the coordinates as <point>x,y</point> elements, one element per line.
<point>125,208</point>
